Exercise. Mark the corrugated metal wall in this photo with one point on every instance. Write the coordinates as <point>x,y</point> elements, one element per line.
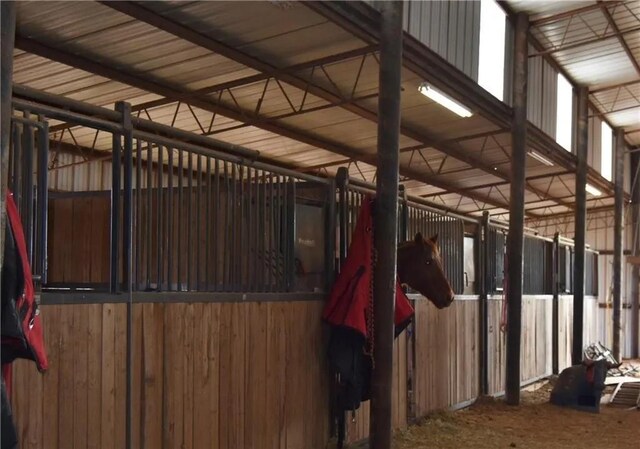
<point>451,29</point>
<point>595,141</point>
<point>542,94</point>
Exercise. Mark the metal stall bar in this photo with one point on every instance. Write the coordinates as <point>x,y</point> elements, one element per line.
<point>555,350</point>
<point>127,247</point>
<point>114,255</point>
<point>582,135</point>
<point>26,207</point>
<point>43,200</point>
<point>485,286</point>
<point>618,242</point>
<point>635,269</point>
<point>515,239</point>
<point>386,222</point>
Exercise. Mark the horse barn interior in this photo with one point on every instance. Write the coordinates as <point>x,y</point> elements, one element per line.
<point>189,176</point>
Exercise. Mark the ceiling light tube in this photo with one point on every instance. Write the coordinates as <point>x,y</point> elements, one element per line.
<point>540,158</point>
<point>592,190</point>
<point>444,100</point>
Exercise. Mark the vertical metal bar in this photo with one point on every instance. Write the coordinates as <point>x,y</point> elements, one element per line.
<point>291,236</point>
<point>199,224</point>
<point>27,185</point>
<point>233,210</point>
<point>43,199</point>
<point>635,269</point>
<point>386,223</point>
<point>115,214</point>
<point>251,254</point>
<point>271,248</point>
<point>484,277</point>
<point>241,231</point>
<point>127,240</point>
<point>149,193</point>
<point>278,234</point>
<point>208,228</point>
<point>618,242</point>
<point>7,38</point>
<point>138,245</point>
<point>330,233</point>
<point>16,177</point>
<point>555,268</point>
<point>264,234</point>
<point>160,223</point>
<point>189,222</point>
<point>582,149</point>
<point>180,219</point>
<point>226,251</point>
<point>216,237</point>
<point>170,200</point>
<point>515,240</point>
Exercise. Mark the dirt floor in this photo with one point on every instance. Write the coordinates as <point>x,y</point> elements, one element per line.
<point>535,424</point>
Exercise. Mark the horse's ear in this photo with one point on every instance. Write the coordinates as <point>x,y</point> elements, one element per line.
<point>419,239</point>
<point>434,239</point>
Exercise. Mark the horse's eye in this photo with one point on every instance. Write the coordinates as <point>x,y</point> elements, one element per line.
<point>428,261</point>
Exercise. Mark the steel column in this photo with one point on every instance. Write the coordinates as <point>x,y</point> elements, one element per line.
<point>555,363</point>
<point>635,271</point>
<point>618,234</point>
<point>515,239</point>
<point>127,251</point>
<point>386,222</point>
<point>7,37</point>
<point>582,136</point>
<point>485,283</point>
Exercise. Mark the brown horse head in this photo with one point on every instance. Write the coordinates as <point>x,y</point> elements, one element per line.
<point>420,267</point>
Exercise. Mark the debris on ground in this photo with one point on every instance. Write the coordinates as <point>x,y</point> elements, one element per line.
<point>534,424</point>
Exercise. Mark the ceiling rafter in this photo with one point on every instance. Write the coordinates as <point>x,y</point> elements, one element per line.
<point>145,83</point>
<point>566,14</point>
<point>619,35</point>
<point>143,14</point>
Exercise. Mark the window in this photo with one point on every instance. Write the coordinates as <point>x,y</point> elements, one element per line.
<point>564,113</point>
<point>606,151</point>
<point>491,63</point>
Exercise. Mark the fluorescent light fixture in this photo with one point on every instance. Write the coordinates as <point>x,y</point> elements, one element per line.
<point>540,158</point>
<point>593,191</point>
<point>444,100</point>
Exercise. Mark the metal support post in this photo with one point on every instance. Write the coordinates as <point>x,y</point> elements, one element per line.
<point>515,239</point>
<point>582,136</point>
<point>127,251</point>
<point>342,179</point>
<point>386,223</point>
<point>7,38</point>
<point>618,234</point>
<point>555,255</point>
<point>635,270</point>
<point>485,282</point>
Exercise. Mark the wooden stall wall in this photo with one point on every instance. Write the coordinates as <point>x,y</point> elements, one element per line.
<point>358,427</point>
<point>565,330</point>
<point>537,341</point>
<point>447,359</point>
<point>215,375</point>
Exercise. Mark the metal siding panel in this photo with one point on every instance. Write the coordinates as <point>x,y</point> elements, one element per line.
<point>475,40</point>
<point>534,91</point>
<point>549,92</point>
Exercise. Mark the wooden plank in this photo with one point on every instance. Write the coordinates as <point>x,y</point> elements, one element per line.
<point>137,377</point>
<point>174,371</point>
<point>120,354</point>
<point>256,379</point>
<point>108,399</point>
<point>153,360</point>
<point>295,377</point>
<point>66,378</point>
<point>276,376</point>
<point>51,322</point>
<point>187,314</point>
<point>94,374</point>
<point>79,398</point>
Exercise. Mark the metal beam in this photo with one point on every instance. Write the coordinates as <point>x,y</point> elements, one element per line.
<point>620,35</point>
<point>635,270</point>
<point>582,149</point>
<point>614,86</point>
<point>145,15</point>
<point>566,14</point>
<point>385,225</point>
<point>515,238</point>
<point>143,82</point>
<point>595,40</point>
<point>7,35</point>
<point>618,241</point>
